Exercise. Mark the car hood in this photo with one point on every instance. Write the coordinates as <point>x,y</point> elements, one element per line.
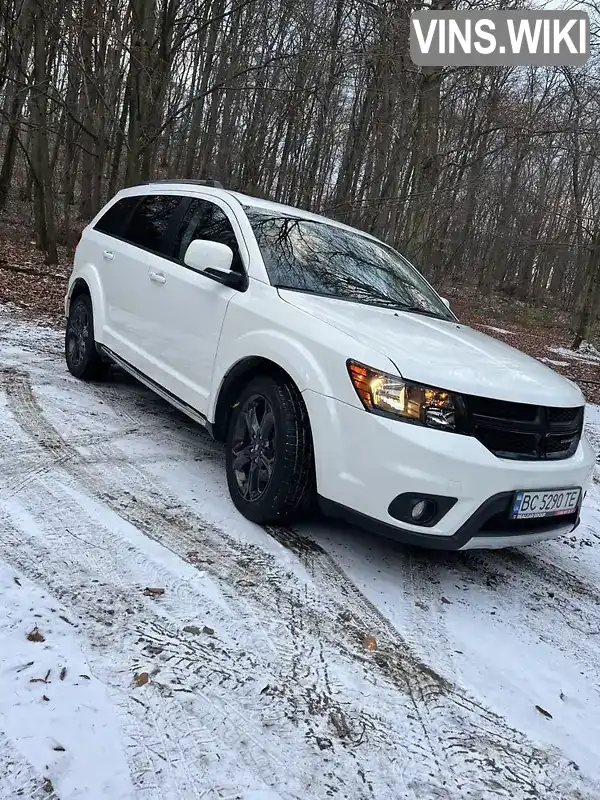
<point>444,354</point>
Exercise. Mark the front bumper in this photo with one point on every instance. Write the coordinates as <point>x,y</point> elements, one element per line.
<point>364,461</point>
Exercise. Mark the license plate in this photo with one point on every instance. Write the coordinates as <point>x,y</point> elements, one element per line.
<point>554,503</point>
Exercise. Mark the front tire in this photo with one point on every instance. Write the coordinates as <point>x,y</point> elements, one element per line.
<point>269,453</point>
<point>82,357</point>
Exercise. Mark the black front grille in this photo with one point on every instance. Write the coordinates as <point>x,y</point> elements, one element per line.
<point>502,409</point>
<point>522,431</point>
<point>564,416</point>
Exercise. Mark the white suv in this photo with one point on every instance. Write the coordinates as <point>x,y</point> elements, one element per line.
<point>329,366</point>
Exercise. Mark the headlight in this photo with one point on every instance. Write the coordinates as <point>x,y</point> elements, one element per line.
<point>392,396</point>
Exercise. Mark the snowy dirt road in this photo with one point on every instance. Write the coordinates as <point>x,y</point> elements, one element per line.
<point>255,675</point>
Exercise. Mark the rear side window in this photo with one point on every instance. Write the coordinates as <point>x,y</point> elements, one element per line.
<point>148,226</point>
<point>205,220</point>
<point>112,222</point>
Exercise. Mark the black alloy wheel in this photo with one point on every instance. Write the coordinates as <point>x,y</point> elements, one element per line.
<point>269,453</point>
<point>253,447</point>
<point>81,354</point>
<point>78,335</point>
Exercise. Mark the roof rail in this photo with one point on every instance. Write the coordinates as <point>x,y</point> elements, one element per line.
<point>214,184</point>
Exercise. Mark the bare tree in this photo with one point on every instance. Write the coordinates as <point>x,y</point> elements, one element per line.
<point>485,177</point>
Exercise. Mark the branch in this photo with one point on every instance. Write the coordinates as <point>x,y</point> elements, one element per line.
<point>27,271</point>
<point>216,87</point>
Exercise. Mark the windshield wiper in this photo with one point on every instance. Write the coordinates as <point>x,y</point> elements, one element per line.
<point>369,300</point>
<point>418,310</point>
<point>376,300</point>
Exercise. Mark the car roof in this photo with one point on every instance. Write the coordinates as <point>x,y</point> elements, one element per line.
<point>245,200</point>
<point>289,211</point>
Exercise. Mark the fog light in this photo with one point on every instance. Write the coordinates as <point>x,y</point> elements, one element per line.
<point>419,510</point>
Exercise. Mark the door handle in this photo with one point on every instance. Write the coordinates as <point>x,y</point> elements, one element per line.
<point>108,255</point>
<point>157,277</point>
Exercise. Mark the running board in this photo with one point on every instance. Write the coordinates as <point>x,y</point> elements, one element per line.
<point>155,387</point>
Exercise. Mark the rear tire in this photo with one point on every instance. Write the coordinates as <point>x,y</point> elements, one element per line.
<point>82,357</point>
<point>269,452</point>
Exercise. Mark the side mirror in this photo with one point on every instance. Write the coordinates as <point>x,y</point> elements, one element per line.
<point>202,254</point>
<point>446,302</point>
<point>214,260</point>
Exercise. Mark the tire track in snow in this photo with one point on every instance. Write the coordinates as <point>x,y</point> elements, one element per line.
<point>433,688</point>
<point>427,691</point>
<point>56,455</point>
<point>499,757</point>
<point>18,778</point>
<point>84,598</point>
<point>177,651</point>
<point>23,478</point>
<point>247,567</point>
<point>227,560</point>
<point>191,679</point>
<point>171,644</point>
<point>536,582</point>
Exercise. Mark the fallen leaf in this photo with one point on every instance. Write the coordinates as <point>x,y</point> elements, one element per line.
<point>87,677</point>
<point>150,592</point>
<point>17,581</point>
<point>63,673</point>
<point>47,699</point>
<point>48,787</point>
<point>36,636</point>
<point>208,631</point>
<point>59,748</point>
<point>562,696</point>
<point>543,711</point>
<point>141,679</point>
<point>446,601</point>
<point>370,643</point>
<point>193,629</point>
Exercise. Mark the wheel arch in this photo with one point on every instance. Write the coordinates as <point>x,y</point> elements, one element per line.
<point>87,281</point>
<point>233,382</point>
<point>79,287</point>
<point>93,364</point>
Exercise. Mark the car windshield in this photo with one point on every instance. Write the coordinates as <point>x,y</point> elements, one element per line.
<point>315,257</point>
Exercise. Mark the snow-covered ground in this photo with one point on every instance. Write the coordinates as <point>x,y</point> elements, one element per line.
<point>309,663</point>
<point>586,354</point>
<point>499,330</point>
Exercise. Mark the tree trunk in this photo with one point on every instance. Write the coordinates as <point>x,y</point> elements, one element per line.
<point>42,178</point>
<point>591,303</point>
